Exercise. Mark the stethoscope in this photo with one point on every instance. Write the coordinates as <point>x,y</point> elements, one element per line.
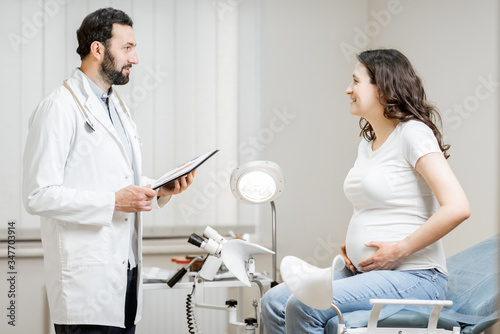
<point>84,113</point>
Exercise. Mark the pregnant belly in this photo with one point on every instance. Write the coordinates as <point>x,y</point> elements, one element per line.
<point>355,247</point>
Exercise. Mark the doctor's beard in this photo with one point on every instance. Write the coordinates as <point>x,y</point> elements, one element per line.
<point>109,71</point>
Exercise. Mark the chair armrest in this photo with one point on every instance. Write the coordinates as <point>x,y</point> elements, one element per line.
<point>433,318</point>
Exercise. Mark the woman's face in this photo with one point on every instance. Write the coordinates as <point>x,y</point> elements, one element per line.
<point>364,95</point>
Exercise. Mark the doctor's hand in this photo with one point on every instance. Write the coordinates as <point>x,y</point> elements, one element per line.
<point>348,262</point>
<point>134,199</point>
<point>387,257</point>
<point>177,186</point>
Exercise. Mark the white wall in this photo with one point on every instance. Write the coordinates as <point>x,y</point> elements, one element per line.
<point>453,45</point>
<point>304,73</point>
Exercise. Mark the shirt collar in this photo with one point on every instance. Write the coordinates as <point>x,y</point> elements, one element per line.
<point>101,94</point>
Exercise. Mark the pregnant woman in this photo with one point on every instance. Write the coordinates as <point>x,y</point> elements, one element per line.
<point>404,195</point>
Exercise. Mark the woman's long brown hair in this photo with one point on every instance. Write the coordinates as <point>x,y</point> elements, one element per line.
<point>401,91</point>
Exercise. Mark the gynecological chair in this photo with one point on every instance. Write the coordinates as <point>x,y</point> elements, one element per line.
<point>471,306</point>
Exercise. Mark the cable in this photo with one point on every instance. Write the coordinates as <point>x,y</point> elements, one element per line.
<point>191,315</point>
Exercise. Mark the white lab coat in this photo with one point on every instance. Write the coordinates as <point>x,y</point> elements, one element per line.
<point>70,176</point>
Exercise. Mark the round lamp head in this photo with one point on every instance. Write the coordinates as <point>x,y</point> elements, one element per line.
<point>257,182</point>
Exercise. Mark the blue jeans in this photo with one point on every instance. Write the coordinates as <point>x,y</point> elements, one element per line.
<point>283,313</point>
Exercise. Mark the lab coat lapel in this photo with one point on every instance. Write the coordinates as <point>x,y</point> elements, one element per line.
<point>97,110</point>
<point>131,132</point>
<point>94,107</point>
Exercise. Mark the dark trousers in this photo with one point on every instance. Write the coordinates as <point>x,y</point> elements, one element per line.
<point>130,311</point>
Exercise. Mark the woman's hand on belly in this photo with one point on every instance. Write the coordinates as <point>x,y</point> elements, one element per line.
<point>347,261</point>
<point>388,256</point>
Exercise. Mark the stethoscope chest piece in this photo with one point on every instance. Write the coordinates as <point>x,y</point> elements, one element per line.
<point>90,125</point>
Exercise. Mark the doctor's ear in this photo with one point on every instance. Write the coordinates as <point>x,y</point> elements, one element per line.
<point>97,50</point>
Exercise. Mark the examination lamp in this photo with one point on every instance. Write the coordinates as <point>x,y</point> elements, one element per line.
<point>259,182</point>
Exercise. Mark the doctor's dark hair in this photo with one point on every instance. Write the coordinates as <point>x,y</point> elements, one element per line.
<point>98,26</point>
<point>400,91</point>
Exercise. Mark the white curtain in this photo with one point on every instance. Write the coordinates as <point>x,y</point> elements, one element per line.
<point>196,88</point>
<point>202,50</point>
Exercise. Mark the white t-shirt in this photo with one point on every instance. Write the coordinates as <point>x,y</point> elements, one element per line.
<point>390,198</point>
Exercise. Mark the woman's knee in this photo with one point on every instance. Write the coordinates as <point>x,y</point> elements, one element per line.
<point>267,304</point>
<point>295,307</point>
<point>300,315</point>
<point>273,302</point>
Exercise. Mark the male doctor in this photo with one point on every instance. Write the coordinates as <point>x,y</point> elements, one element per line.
<point>82,175</point>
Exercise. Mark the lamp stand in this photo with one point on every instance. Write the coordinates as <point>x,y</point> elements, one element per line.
<point>273,210</point>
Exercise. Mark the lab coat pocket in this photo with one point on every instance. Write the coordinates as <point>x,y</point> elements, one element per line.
<point>84,245</point>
